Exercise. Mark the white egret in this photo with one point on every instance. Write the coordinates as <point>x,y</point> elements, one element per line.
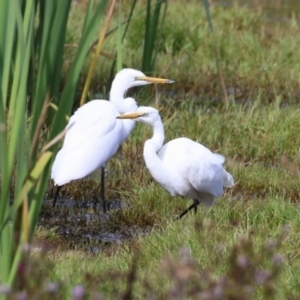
<point>182,167</point>
<point>93,133</point>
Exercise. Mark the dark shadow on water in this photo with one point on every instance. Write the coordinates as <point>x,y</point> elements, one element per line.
<point>84,225</point>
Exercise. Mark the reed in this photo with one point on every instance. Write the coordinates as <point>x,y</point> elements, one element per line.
<point>32,48</point>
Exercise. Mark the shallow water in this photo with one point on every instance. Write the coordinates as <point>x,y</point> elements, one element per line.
<point>83,224</point>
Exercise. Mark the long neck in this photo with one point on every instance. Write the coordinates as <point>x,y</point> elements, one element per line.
<point>117,93</point>
<point>152,146</point>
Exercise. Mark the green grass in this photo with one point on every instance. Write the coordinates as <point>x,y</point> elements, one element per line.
<point>256,55</point>
<point>210,245</point>
<point>263,203</point>
<point>258,133</point>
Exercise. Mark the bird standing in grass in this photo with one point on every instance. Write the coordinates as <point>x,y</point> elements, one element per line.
<point>182,167</point>
<point>93,134</point>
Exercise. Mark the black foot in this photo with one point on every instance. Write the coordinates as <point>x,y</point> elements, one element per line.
<point>193,206</point>
<point>104,204</point>
<point>56,195</point>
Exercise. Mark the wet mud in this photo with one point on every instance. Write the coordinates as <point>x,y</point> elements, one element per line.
<point>83,225</point>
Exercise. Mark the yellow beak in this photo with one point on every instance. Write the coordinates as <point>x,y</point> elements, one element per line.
<point>134,115</point>
<point>154,79</point>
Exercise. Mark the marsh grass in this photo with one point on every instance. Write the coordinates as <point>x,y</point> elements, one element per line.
<point>211,253</point>
<point>256,55</point>
<point>247,242</point>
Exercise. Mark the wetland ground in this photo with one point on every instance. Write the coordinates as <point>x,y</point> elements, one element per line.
<point>244,247</point>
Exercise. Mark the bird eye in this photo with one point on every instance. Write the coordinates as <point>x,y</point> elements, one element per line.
<point>145,114</point>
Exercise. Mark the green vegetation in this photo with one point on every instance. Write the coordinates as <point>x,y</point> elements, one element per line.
<point>256,55</point>
<point>244,247</point>
<point>32,39</point>
<point>261,212</point>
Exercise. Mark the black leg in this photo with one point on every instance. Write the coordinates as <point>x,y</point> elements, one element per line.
<point>193,206</point>
<point>56,195</point>
<point>196,203</point>
<point>102,189</point>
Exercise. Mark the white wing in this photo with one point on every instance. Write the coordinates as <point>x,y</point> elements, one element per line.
<point>180,150</point>
<point>207,178</point>
<point>196,164</point>
<point>93,137</point>
<point>92,120</point>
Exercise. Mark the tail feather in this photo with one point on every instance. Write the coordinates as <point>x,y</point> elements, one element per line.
<point>228,180</point>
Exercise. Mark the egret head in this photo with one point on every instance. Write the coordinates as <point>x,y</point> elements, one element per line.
<point>128,78</point>
<point>144,114</point>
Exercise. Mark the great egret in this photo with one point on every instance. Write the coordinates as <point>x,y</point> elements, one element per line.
<point>93,133</point>
<point>182,166</point>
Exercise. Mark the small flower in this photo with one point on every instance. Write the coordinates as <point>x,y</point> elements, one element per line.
<point>78,292</point>
<point>277,259</point>
<point>271,244</point>
<point>261,276</point>
<point>52,287</point>
<point>22,296</point>
<point>4,289</point>
<point>243,261</point>
<point>26,248</point>
<point>217,292</point>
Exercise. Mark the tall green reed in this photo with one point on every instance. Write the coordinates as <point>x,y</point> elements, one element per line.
<point>32,38</point>
<point>154,24</point>
<point>216,51</point>
<point>97,53</point>
<point>154,21</point>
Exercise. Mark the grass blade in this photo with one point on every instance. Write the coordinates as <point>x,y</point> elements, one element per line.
<point>69,89</point>
<point>127,22</point>
<point>119,47</point>
<point>151,26</point>
<point>97,53</point>
<point>208,16</point>
<point>31,48</point>
<point>31,179</point>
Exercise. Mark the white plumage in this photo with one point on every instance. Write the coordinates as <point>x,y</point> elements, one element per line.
<point>93,133</point>
<point>182,167</point>
<point>93,137</point>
